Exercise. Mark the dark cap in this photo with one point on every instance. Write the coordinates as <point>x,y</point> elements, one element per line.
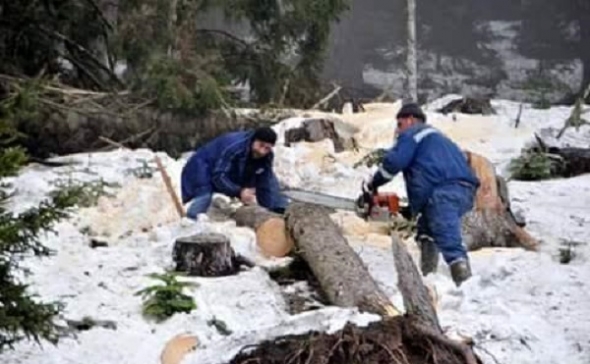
<point>265,134</point>
<point>411,109</point>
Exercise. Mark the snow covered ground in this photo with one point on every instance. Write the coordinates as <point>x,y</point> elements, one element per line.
<point>520,307</point>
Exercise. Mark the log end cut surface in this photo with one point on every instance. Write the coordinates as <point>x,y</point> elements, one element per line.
<point>271,234</point>
<point>272,238</point>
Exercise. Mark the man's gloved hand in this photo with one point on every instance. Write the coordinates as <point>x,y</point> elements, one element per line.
<point>248,196</point>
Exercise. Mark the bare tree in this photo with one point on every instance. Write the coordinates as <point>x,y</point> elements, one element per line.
<point>411,61</point>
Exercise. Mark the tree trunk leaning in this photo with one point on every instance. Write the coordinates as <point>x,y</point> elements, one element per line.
<point>417,300</point>
<point>491,222</point>
<point>343,277</point>
<point>205,255</point>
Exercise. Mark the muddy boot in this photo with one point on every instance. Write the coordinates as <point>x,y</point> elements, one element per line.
<point>428,254</point>
<point>460,271</point>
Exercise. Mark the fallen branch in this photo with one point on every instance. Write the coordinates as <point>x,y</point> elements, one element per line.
<point>327,97</point>
<point>165,177</point>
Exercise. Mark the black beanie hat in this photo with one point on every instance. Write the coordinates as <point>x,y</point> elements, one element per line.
<point>411,109</point>
<point>265,134</point>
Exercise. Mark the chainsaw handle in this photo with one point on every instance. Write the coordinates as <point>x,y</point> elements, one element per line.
<point>365,202</point>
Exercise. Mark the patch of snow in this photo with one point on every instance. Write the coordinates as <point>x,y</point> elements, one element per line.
<point>520,306</point>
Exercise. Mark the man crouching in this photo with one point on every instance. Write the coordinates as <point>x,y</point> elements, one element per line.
<point>237,164</point>
<point>440,186</point>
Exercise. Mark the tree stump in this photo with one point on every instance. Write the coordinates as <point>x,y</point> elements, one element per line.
<point>314,130</point>
<point>342,275</point>
<point>205,255</point>
<point>491,223</point>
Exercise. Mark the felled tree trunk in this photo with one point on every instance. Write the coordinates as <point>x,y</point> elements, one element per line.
<point>271,233</point>
<point>205,255</point>
<point>491,223</point>
<point>314,130</point>
<point>417,300</point>
<point>343,277</point>
<point>576,161</point>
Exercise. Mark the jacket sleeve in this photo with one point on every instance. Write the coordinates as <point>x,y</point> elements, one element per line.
<point>220,176</point>
<point>396,160</point>
<point>268,178</point>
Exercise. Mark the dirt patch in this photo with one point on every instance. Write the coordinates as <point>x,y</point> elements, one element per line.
<point>393,341</point>
<point>299,287</point>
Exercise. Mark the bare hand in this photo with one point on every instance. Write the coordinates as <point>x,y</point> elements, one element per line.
<point>248,196</point>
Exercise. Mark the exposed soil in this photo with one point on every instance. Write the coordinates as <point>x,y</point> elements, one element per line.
<point>299,287</point>
<point>395,341</point>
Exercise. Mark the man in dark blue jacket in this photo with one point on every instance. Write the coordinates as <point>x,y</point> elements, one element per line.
<point>236,164</point>
<point>440,185</point>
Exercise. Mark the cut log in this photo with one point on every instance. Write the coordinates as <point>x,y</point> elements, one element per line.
<point>417,300</point>
<point>492,223</point>
<point>271,233</point>
<point>205,255</point>
<point>177,348</point>
<point>574,161</point>
<point>314,130</point>
<point>468,105</point>
<point>343,277</point>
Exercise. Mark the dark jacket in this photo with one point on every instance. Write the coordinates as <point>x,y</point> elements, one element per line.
<point>224,165</point>
<point>428,159</point>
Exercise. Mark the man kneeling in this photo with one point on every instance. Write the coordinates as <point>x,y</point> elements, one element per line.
<point>236,164</point>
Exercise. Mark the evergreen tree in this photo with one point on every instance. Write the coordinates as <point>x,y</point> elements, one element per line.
<point>21,314</point>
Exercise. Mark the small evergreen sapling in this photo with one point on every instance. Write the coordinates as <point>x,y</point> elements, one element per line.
<point>163,301</point>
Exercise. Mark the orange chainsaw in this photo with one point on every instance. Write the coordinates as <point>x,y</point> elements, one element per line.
<point>369,206</point>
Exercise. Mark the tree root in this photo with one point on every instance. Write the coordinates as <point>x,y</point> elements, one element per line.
<point>399,340</point>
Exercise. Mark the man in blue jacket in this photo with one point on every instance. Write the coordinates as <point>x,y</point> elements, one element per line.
<point>236,164</point>
<point>440,185</point>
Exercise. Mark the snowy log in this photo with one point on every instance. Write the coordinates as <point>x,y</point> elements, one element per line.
<point>417,300</point>
<point>469,105</point>
<point>343,277</point>
<point>271,233</point>
<point>491,223</point>
<point>205,255</point>
<point>315,130</point>
<point>573,161</point>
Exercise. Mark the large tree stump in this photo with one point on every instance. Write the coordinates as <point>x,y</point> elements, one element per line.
<point>343,277</point>
<point>491,223</point>
<point>314,130</point>
<point>205,255</point>
<point>271,233</point>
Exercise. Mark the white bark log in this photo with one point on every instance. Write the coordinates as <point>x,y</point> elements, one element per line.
<point>412,65</point>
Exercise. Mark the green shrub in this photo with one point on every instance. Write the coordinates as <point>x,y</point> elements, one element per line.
<point>163,301</point>
<point>534,166</point>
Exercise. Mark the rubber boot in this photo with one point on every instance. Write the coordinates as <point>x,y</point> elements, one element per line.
<point>460,271</point>
<point>428,254</point>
